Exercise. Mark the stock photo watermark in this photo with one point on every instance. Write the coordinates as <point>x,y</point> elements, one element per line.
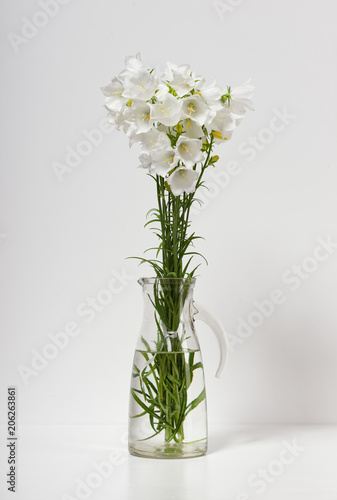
<point>100,472</point>
<point>220,179</point>
<point>292,278</point>
<point>74,155</point>
<point>11,438</point>
<point>277,124</point>
<point>264,476</point>
<point>223,7</point>
<point>248,150</point>
<point>88,310</point>
<point>30,28</point>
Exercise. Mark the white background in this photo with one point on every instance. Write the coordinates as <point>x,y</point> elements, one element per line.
<point>61,242</point>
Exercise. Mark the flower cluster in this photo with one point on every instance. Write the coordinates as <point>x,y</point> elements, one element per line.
<point>176,117</point>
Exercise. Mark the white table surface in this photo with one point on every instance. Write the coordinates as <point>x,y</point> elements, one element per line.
<point>54,460</point>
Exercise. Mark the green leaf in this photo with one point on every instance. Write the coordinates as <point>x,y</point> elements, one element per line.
<point>148,409</point>
<point>196,401</point>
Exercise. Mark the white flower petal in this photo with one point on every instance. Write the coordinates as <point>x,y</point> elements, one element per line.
<point>192,129</point>
<point>162,91</point>
<point>212,96</point>
<point>162,161</point>
<point>167,112</point>
<point>189,151</point>
<point>111,118</point>
<point>145,162</point>
<point>223,122</point>
<point>142,116</point>
<point>195,109</point>
<point>183,180</point>
<point>180,78</point>
<point>240,99</point>
<point>114,100</point>
<point>133,64</point>
<point>140,86</point>
<point>153,139</point>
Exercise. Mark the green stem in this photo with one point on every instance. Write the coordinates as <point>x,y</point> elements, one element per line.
<point>175,214</point>
<point>206,164</point>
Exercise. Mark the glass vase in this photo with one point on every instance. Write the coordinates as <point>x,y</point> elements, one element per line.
<point>168,410</point>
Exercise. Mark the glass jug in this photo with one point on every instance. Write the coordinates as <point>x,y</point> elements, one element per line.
<point>167,411</point>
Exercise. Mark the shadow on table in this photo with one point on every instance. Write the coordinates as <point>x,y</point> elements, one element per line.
<point>226,437</point>
<point>151,479</point>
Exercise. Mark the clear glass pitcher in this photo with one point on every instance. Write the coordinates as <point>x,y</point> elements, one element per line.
<point>167,413</point>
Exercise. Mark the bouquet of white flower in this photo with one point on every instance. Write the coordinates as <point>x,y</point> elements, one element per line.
<point>177,118</point>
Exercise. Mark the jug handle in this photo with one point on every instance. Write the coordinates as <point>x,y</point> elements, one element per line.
<point>204,315</point>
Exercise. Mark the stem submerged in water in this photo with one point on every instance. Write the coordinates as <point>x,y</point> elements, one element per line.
<point>164,382</point>
<point>162,392</point>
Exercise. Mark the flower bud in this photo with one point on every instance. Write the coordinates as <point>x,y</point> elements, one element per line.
<point>214,159</point>
<point>217,134</point>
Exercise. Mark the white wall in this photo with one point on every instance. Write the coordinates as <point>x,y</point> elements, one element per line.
<point>61,241</point>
